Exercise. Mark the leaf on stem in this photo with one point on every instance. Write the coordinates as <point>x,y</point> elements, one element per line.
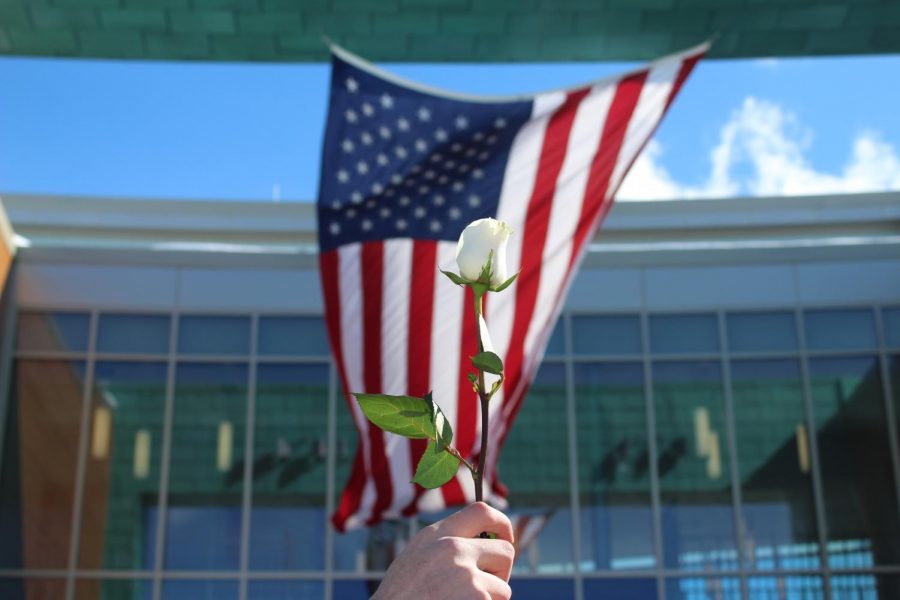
<point>488,362</point>
<point>403,415</point>
<point>487,269</point>
<point>443,432</point>
<point>435,468</point>
<point>454,277</point>
<point>505,284</point>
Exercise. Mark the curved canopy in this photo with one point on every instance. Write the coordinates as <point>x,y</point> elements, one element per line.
<point>444,30</point>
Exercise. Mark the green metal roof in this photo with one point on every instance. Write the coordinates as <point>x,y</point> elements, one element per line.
<point>444,30</point>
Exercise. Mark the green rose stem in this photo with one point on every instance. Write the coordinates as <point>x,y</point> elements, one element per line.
<point>484,399</point>
<point>422,418</point>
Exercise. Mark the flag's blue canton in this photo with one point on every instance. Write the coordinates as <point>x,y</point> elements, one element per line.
<point>399,163</point>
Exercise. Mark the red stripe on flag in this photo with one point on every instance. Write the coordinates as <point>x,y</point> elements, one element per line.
<point>537,220</point>
<point>686,67</point>
<point>372,271</point>
<point>328,269</point>
<point>421,310</point>
<point>617,120</point>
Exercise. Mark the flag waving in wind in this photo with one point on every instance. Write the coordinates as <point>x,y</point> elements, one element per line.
<point>404,169</point>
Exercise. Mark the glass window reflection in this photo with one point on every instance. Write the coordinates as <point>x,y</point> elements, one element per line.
<point>891,318</point>
<point>138,334</point>
<point>287,524</point>
<point>122,470</point>
<point>613,469</point>
<point>37,481</point>
<point>761,332</point>
<point>541,589</point>
<point>773,456</point>
<point>114,589</point>
<point>604,336</point>
<point>855,457</point>
<point>294,336</point>
<point>632,589</point>
<point>703,588</point>
<point>683,334</point>
<point>807,587</point>
<point>199,590</point>
<point>868,586</point>
<point>840,329</point>
<point>693,465</point>
<point>285,590</point>
<point>534,466</point>
<point>57,331</point>
<point>214,335</point>
<point>32,589</point>
<point>206,469</point>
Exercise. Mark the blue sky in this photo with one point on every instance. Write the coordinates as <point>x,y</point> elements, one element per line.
<point>239,131</point>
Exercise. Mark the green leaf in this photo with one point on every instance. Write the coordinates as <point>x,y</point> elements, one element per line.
<point>486,270</point>
<point>473,378</point>
<point>505,284</point>
<point>496,386</point>
<point>435,468</point>
<point>454,277</point>
<point>443,431</point>
<point>488,362</point>
<point>404,415</point>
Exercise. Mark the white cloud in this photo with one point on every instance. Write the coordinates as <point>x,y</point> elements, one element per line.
<point>762,151</point>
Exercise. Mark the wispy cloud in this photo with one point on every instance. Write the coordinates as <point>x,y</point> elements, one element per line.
<point>762,151</point>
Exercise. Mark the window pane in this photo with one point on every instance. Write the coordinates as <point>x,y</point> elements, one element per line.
<point>759,332</point>
<point>857,476</point>
<point>774,464</point>
<point>32,589</point>
<point>534,465</point>
<point>606,335</point>
<point>285,590</point>
<point>557,344</point>
<point>53,331</point>
<point>37,481</point>
<point>287,525</point>
<point>113,589</point>
<point>805,587</point>
<point>122,470</point>
<point>840,329</point>
<point>693,464</point>
<point>298,336</point>
<point>866,586</point>
<point>891,319</point>
<point>206,470</point>
<point>633,589</point>
<point>147,334</point>
<point>613,467</point>
<point>542,589</point>
<point>349,547</point>
<point>703,588</point>
<point>199,590</point>
<point>354,590</point>
<point>214,335</point>
<point>674,334</point>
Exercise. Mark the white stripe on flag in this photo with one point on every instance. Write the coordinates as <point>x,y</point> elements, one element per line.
<point>650,107</point>
<point>518,185</point>
<point>394,338</point>
<point>446,342</point>
<point>584,140</point>
<point>351,292</point>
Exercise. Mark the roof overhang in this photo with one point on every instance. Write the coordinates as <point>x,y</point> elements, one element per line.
<point>226,233</point>
<point>446,31</point>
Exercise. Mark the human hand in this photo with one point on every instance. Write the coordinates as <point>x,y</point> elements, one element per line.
<point>448,561</point>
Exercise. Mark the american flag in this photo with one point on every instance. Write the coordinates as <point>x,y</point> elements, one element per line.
<point>404,169</point>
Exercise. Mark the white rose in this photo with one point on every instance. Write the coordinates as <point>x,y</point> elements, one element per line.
<point>477,241</point>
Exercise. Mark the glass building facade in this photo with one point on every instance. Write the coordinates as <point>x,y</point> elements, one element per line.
<point>683,455</point>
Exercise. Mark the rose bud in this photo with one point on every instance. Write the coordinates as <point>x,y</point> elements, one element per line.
<point>480,240</point>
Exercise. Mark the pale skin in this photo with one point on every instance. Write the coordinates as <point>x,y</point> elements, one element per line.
<point>448,561</point>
